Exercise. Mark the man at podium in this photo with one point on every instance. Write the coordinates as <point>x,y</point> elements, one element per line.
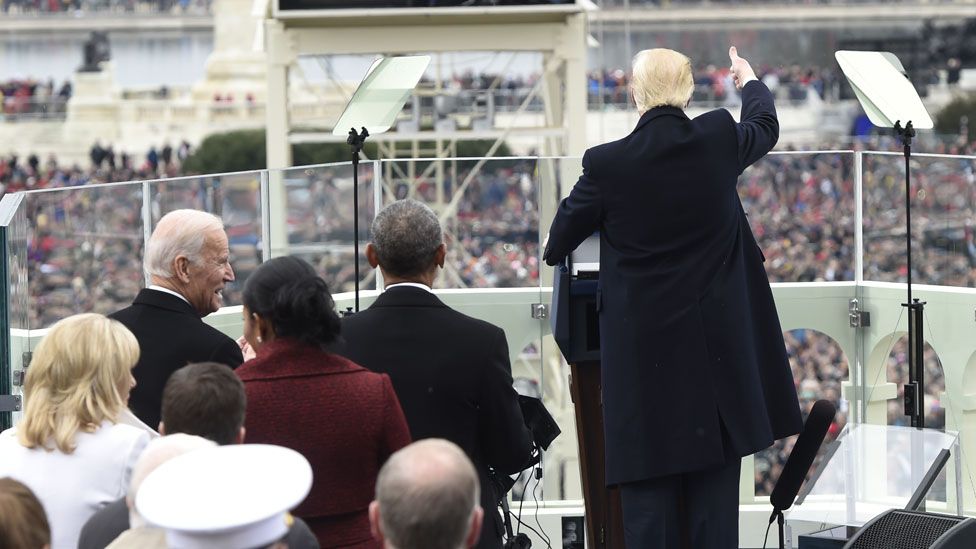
<point>695,371</point>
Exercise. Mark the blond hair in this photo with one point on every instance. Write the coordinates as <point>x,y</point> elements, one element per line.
<point>662,78</point>
<point>78,378</point>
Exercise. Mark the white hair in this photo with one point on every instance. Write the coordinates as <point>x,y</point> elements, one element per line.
<point>158,452</point>
<point>180,232</point>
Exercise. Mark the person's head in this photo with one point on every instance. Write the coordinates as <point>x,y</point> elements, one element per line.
<point>427,497</point>
<point>189,254</point>
<point>205,399</point>
<point>408,243</point>
<point>662,78</point>
<point>23,523</point>
<point>158,452</point>
<point>252,485</point>
<point>80,375</point>
<point>284,298</point>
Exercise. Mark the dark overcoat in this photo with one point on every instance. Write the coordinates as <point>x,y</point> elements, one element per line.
<point>691,344</point>
<point>171,335</point>
<point>454,380</point>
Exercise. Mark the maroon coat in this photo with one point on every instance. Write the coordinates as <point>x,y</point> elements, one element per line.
<point>343,418</point>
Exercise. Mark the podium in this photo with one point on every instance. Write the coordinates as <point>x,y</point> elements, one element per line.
<point>576,328</point>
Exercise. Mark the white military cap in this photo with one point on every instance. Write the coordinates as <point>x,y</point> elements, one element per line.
<point>228,497</point>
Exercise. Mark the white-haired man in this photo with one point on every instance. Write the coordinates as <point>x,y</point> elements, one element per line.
<point>427,498</point>
<point>188,263</point>
<point>695,372</point>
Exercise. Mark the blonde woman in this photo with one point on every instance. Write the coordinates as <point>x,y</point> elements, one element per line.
<point>70,448</point>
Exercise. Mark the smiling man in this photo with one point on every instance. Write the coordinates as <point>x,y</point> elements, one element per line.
<point>188,263</point>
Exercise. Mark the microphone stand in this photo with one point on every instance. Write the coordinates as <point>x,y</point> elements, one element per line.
<point>356,141</point>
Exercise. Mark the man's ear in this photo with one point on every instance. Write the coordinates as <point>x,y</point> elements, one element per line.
<point>161,429</point>
<point>181,268</point>
<point>371,256</point>
<point>474,534</point>
<point>440,255</point>
<point>240,435</point>
<point>374,521</point>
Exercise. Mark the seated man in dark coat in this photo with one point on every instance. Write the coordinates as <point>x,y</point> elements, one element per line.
<point>188,261</point>
<point>206,400</point>
<point>451,372</point>
<point>695,372</point>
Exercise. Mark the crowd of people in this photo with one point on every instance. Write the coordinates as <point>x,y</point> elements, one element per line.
<point>51,7</point>
<point>713,85</point>
<point>33,98</point>
<point>610,88</point>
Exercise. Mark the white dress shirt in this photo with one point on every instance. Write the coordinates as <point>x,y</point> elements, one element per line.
<point>71,487</point>
<point>167,291</point>
<point>412,284</point>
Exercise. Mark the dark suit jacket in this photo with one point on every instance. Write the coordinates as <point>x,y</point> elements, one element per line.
<point>171,335</point>
<point>110,521</point>
<point>691,343</point>
<point>454,380</point>
<point>343,418</point>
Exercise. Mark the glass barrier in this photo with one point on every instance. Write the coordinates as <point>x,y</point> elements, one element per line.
<point>17,270</point>
<point>317,220</point>
<point>802,211</point>
<point>13,282</point>
<point>943,243</point>
<point>872,469</point>
<point>489,209</point>
<point>85,250</point>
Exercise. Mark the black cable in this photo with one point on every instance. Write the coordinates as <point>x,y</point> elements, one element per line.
<point>521,501</point>
<point>538,479</point>
<point>531,529</point>
<point>519,517</point>
<point>766,537</point>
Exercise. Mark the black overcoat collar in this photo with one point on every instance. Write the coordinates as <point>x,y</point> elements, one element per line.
<point>657,112</point>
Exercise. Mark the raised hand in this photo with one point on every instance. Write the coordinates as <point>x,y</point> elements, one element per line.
<point>742,71</point>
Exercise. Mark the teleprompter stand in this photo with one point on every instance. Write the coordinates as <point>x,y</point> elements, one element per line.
<point>888,98</point>
<point>374,108</point>
<point>356,140</point>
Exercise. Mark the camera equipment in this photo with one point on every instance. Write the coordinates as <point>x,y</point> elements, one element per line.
<point>544,430</point>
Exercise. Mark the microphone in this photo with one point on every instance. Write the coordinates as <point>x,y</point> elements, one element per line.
<point>801,458</point>
<point>799,462</point>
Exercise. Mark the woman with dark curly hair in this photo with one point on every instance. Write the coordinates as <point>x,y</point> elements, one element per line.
<point>343,418</point>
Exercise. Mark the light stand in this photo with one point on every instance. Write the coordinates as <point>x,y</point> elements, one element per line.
<point>356,142</point>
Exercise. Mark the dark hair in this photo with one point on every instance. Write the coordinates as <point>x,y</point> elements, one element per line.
<point>286,291</point>
<point>23,522</point>
<point>205,399</point>
<point>406,237</point>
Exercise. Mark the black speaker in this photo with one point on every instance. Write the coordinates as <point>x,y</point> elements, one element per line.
<point>898,529</point>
